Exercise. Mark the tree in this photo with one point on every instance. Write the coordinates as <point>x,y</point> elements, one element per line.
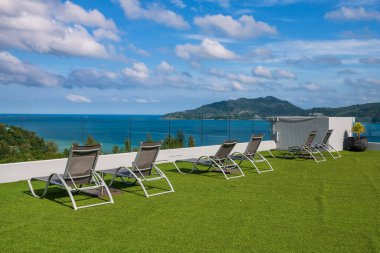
<point>180,139</point>
<point>191,141</point>
<point>127,145</point>
<point>90,141</point>
<point>115,149</point>
<point>149,137</point>
<point>51,147</point>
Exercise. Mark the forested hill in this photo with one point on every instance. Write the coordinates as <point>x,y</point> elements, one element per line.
<point>248,108</point>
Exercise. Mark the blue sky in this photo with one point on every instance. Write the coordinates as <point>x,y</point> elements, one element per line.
<point>154,57</point>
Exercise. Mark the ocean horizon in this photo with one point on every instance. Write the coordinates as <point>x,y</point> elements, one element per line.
<point>113,129</point>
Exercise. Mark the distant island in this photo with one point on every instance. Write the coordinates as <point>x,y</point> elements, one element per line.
<point>262,107</point>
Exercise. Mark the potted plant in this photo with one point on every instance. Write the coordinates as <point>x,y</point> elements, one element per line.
<point>357,143</point>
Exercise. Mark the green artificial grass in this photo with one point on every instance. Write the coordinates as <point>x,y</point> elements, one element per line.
<point>300,207</point>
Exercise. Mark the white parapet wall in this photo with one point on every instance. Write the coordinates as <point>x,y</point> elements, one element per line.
<point>373,145</point>
<point>294,130</point>
<point>12,172</point>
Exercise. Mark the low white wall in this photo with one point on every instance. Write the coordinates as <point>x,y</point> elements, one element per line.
<point>373,146</point>
<point>12,172</point>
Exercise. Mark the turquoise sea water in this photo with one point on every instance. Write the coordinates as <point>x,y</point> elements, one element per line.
<point>112,130</point>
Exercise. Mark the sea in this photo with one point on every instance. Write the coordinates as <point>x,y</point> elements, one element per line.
<point>111,130</point>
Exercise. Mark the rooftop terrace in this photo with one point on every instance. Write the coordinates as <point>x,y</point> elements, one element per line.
<point>301,206</point>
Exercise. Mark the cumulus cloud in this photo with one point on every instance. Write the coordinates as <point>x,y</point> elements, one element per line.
<point>365,89</point>
<point>310,86</point>
<point>237,86</point>
<point>53,27</point>
<point>146,100</point>
<point>243,28</point>
<point>262,54</point>
<point>153,12</point>
<point>261,71</point>
<point>222,3</point>
<point>69,12</point>
<point>78,99</point>
<point>322,60</point>
<point>165,67</point>
<point>353,14</point>
<point>370,60</point>
<point>240,78</point>
<point>138,51</point>
<point>280,73</point>
<point>96,78</point>
<point>138,72</point>
<point>346,72</point>
<point>363,83</point>
<point>179,3</point>
<point>208,48</point>
<point>15,71</point>
<point>316,48</point>
<point>264,72</point>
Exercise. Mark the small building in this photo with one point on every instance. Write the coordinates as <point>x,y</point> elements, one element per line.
<point>294,130</point>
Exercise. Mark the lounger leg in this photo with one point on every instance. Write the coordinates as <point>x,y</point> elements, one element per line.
<point>271,154</point>
<point>104,185</point>
<point>34,193</point>
<point>192,169</point>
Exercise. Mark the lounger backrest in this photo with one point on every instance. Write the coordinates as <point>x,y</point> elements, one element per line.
<point>311,138</point>
<point>146,156</point>
<point>327,136</point>
<point>81,163</point>
<point>225,149</point>
<point>253,144</point>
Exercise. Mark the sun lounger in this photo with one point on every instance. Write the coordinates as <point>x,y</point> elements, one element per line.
<point>79,176</point>
<point>325,146</point>
<point>250,154</point>
<point>143,169</point>
<point>221,162</point>
<point>303,151</point>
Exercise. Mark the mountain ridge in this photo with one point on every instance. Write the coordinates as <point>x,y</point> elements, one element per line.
<point>262,107</point>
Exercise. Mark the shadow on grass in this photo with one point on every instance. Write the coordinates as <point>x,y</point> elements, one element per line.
<point>60,196</point>
<point>134,188</point>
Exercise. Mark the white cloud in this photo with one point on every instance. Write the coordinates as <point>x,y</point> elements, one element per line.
<point>262,53</point>
<point>353,14</point>
<point>154,12</point>
<point>244,28</point>
<point>349,47</point>
<point>346,72</point>
<point>311,86</point>
<point>321,60</point>
<point>53,27</point>
<point>237,86</point>
<point>78,99</point>
<point>280,73</point>
<point>261,71</point>
<point>240,78</point>
<point>179,3</point>
<point>138,51</point>
<point>370,60</point>
<point>119,100</point>
<point>264,72</point>
<point>208,48</point>
<point>139,72</point>
<point>105,34</point>
<point>14,71</point>
<point>96,78</point>
<point>69,12</point>
<point>165,67</point>
<point>222,3</point>
<point>146,100</point>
